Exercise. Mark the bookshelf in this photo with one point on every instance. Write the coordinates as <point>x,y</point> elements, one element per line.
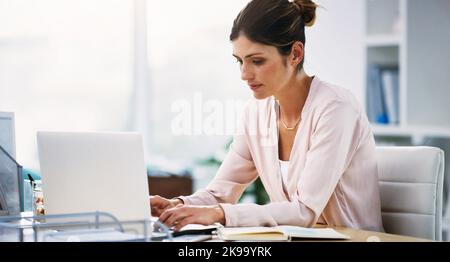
<point>383,40</point>
<point>410,38</point>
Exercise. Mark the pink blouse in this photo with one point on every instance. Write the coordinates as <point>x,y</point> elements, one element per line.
<point>332,176</point>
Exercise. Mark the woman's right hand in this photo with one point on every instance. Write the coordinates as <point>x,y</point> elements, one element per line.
<point>160,204</point>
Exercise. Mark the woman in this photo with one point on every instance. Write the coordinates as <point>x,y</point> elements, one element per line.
<point>309,141</point>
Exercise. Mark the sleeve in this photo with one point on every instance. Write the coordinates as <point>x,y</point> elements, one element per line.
<point>236,172</point>
<point>333,144</point>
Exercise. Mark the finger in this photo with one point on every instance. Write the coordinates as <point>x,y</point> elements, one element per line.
<point>175,215</point>
<point>165,215</point>
<point>168,216</point>
<point>175,218</point>
<point>158,208</point>
<point>156,200</point>
<point>156,212</point>
<point>183,222</point>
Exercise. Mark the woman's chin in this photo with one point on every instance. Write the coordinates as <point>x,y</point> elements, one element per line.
<point>259,95</point>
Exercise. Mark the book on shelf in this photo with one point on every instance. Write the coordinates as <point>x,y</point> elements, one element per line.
<point>375,102</point>
<point>383,94</point>
<point>390,90</point>
<point>279,233</point>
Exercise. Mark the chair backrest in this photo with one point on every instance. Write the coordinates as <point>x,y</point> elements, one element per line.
<point>411,180</point>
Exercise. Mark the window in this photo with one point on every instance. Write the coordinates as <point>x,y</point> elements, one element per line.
<point>65,65</point>
<point>196,90</point>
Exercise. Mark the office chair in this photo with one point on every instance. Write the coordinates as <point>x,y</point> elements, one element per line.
<point>411,182</point>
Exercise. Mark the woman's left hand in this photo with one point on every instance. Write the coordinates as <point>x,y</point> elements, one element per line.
<point>182,215</point>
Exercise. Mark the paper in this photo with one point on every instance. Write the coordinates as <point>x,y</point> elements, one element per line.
<point>190,238</point>
<point>198,227</point>
<point>279,233</point>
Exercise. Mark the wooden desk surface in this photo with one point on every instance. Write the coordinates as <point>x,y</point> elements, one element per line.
<point>370,236</point>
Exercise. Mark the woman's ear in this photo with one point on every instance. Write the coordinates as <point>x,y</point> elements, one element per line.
<point>297,53</point>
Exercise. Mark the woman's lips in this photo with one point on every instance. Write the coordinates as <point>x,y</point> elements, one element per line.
<point>254,87</point>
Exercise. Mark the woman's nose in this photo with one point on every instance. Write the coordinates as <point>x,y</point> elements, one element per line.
<point>246,73</point>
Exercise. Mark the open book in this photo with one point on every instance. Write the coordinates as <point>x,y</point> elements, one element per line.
<point>278,233</point>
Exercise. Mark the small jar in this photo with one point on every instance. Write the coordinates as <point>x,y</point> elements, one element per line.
<point>38,200</point>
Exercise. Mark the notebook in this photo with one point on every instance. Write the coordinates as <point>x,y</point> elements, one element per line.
<point>196,229</point>
<point>279,233</point>
<point>190,229</point>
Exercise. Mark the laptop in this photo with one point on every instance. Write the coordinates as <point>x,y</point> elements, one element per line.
<point>88,172</point>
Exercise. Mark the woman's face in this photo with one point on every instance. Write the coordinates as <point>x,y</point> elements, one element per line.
<point>262,67</point>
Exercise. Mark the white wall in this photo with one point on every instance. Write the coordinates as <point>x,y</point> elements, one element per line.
<point>335,44</point>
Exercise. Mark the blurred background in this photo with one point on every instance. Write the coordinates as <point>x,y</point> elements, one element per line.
<point>165,69</point>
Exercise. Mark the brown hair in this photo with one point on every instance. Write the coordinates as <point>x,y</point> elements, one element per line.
<point>278,23</point>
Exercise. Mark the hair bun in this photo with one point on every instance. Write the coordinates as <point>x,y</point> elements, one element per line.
<point>308,10</point>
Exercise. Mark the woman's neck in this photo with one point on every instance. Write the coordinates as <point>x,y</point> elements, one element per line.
<point>293,96</point>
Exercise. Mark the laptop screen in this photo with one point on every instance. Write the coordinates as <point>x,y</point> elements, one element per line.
<point>88,172</point>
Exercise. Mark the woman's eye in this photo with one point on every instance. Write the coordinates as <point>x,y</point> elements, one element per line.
<point>258,62</point>
<point>239,61</point>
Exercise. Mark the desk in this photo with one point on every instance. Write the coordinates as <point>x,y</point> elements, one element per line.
<point>365,236</point>
<point>357,235</point>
